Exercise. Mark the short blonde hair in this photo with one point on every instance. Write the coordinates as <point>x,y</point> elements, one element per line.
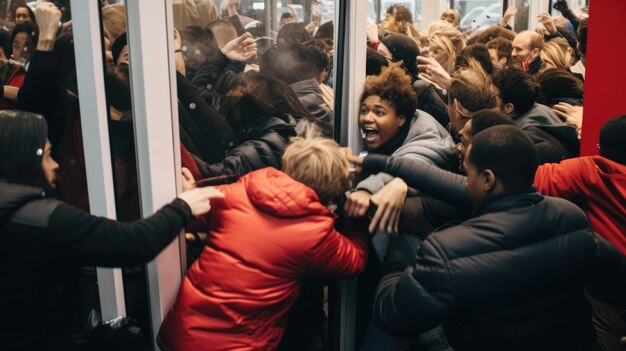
<point>319,164</point>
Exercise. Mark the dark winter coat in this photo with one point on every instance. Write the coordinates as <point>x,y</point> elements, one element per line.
<point>510,278</point>
<point>264,145</point>
<point>45,241</point>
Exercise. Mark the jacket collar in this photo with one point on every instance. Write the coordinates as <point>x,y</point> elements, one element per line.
<point>508,200</point>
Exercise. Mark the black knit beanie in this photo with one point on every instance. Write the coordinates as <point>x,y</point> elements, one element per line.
<point>403,48</point>
<point>612,139</point>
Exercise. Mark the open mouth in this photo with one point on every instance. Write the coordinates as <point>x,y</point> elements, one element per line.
<point>369,134</point>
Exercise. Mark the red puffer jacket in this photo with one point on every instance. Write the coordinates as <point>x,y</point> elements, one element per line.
<point>268,233</point>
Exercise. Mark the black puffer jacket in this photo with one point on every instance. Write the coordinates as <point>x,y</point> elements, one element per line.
<point>264,145</point>
<point>511,278</point>
<point>555,141</point>
<point>44,243</point>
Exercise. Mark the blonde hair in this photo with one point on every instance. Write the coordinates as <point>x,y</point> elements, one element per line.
<point>114,21</point>
<point>438,25</point>
<point>319,164</point>
<point>553,53</point>
<point>450,40</point>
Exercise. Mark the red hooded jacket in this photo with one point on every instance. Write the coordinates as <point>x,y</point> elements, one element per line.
<point>268,233</point>
<point>602,184</point>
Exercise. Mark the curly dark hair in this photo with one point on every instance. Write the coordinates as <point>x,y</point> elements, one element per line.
<point>393,85</point>
<point>402,13</point>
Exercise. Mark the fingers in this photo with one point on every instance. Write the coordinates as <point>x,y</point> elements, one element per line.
<point>187,174</point>
<point>240,39</point>
<point>213,193</point>
<point>376,219</point>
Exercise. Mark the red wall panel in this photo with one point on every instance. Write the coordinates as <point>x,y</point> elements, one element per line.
<point>605,84</point>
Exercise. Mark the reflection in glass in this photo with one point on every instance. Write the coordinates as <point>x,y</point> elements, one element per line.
<point>478,14</point>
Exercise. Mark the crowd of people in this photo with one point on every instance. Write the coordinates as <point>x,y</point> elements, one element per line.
<point>471,222</point>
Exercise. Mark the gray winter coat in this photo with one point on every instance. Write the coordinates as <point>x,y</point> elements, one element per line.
<point>427,141</point>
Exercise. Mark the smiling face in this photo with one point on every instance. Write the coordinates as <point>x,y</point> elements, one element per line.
<point>379,122</point>
<point>21,15</point>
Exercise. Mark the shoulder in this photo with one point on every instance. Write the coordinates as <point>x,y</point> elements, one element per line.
<point>36,213</point>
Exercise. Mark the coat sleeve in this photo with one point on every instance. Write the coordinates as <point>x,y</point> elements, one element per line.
<point>339,256</point>
<point>210,70</point>
<point>238,162</point>
<point>417,299</point>
<point>562,180</point>
<point>82,238</point>
<point>444,185</point>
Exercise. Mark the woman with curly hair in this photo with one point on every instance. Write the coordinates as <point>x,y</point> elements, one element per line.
<point>391,124</point>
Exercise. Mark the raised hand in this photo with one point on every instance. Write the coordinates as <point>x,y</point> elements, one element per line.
<point>48,17</point>
<point>510,12</point>
<point>547,21</point>
<point>242,48</point>
<point>433,72</point>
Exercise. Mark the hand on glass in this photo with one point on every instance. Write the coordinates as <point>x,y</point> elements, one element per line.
<point>199,199</point>
<point>328,95</point>
<point>242,48</point>
<point>432,71</point>
<point>389,201</point>
<point>510,12</point>
<point>372,31</point>
<point>357,203</point>
<point>177,40</point>
<point>547,21</point>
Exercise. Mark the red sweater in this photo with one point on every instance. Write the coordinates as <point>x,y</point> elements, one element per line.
<point>597,185</point>
<point>265,236</point>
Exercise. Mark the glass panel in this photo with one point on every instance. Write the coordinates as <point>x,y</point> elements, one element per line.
<point>476,14</point>
<point>223,105</point>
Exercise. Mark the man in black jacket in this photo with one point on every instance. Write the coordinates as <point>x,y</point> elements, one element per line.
<point>512,276</point>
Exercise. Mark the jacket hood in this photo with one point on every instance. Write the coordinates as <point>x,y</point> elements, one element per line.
<point>277,194</point>
<point>428,139</point>
<point>14,196</point>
